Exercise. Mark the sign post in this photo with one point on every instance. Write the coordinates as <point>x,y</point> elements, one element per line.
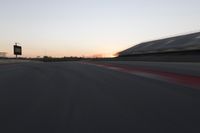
<point>17,50</point>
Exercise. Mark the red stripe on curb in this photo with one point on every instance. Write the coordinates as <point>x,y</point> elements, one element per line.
<point>187,80</point>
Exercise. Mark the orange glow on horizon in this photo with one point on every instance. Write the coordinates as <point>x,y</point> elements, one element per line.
<point>100,52</point>
<point>33,54</point>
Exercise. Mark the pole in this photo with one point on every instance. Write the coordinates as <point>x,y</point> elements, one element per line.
<point>16,45</point>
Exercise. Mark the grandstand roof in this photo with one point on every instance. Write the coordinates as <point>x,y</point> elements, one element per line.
<point>173,44</point>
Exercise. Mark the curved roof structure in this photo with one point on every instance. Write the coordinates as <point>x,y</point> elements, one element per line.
<point>173,44</point>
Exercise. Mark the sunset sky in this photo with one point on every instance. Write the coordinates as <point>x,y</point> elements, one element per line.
<point>91,27</point>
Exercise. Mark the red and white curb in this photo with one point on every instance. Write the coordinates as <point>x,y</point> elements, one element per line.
<point>181,79</point>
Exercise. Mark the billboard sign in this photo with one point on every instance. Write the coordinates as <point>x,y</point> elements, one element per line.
<point>17,50</point>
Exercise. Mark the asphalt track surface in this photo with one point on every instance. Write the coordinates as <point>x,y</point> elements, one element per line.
<point>85,97</point>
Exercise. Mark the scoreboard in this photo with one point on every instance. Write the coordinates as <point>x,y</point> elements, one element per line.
<point>17,50</point>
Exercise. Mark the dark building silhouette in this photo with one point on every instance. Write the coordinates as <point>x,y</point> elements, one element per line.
<point>3,54</point>
<point>183,43</point>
